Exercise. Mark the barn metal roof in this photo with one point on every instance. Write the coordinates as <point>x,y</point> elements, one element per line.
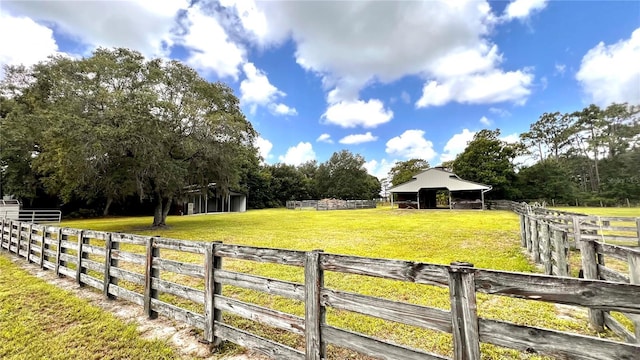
<point>437,178</point>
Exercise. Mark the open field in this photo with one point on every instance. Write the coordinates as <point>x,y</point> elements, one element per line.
<point>41,321</point>
<point>488,239</point>
<point>603,211</point>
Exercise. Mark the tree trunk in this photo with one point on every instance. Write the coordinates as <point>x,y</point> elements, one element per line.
<point>105,212</point>
<point>163,206</point>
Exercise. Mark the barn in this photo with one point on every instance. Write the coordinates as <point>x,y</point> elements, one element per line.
<point>438,188</point>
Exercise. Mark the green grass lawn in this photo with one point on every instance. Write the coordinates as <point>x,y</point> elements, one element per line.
<point>488,239</point>
<point>604,211</point>
<point>41,321</point>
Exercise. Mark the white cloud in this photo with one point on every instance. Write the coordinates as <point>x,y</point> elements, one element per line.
<point>299,154</point>
<point>411,144</point>
<point>493,87</point>
<point>499,111</point>
<point>282,109</point>
<point>210,48</point>
<point>256,88</point>
<point>264,147</point>
<point>521,9</point>
<point>349,114</point>
<point>382,41</point>
<point>143,25</point>
<point>611,73</point>
<point>23,41</point>
<point>406,98</point>
<point>485,121</point>
<point>511,138</point>
<point>379,169</point>
<point>358,138</point>
<point>325,138</point>
<point>560,69</point>
<point>456,145</point>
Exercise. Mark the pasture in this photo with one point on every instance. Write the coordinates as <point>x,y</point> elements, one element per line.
<point>41,321</point>
<point>488,239</point>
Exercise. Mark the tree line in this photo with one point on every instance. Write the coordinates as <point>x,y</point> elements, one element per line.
<point>116,132</point>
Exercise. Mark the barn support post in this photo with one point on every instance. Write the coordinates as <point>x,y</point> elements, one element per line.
<point>314,314</point>
<point>464,317</point>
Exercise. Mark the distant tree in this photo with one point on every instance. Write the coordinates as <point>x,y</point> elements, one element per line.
<point>489,160</point>
<point>547,180</point>
<point>344,176</point>
<point>403,171</point>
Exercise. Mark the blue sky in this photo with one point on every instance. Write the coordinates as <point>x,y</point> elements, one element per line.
<point>390,80</point>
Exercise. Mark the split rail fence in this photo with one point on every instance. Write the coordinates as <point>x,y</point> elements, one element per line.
<point>108,262</point>
<point>608,247</point>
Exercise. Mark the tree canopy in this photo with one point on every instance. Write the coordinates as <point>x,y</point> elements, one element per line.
<point>403,171</point>
<point>115,124</point>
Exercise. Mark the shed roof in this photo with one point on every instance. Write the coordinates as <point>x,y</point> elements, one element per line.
<point>438,178</point>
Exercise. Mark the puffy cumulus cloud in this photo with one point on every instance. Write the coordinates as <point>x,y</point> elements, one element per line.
<point>485,121</point>
<point>299,154</point>
<point>252,20</point>
<point>349,114</point>
<point>379,169</point>
<point>494,87</point>
<point>282,109</point>
<point>256,89</point>
<point>143,25</point>
<point>611,73</point>
<point>411,144</point>
<point>522,9</point>
<point>456,145</point>
<point>382,41</point>
<point>358,139</point>
<point>511,138</point>
<point>210,48</point>
<point>264,147</point>
<point>326,138</point>
<point>23,41</point>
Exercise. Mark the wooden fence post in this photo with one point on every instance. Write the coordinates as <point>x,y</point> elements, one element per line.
<point>590,270</point>
<point>523,231</point>
<point>109,261</point>
<point>18,239</point>
<point>1,233</point>
<point>634,278</point>
<point>464,317</point>
<point>81,255</point>
<point>560,245</point>
<point>58,250</point>
<point>314,314</point>
<point>638,229</point>
<point>10,235</point>
<point>150,274</point>
<point>535,241</point>
<point>29,240</point>
<point>211,289</point>
<point>545,254</point>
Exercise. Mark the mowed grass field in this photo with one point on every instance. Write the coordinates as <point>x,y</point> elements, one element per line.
<point>604,211</point>
<point>41,321</point>
<point>488,239</point>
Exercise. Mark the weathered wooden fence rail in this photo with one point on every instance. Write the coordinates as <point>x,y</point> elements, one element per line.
<point>331,204</point>
<point>548,236</point>
<point>98,259</point>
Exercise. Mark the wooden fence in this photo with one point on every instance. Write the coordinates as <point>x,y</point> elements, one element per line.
<point>548,236</point>
<point>331,204</point>
<point>75,253</point>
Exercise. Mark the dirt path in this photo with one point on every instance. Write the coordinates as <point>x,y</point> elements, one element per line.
<point>182,337</point>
